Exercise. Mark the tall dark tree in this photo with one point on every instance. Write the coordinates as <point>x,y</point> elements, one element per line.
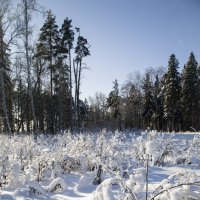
<point>67,39</point>
<point>47,49</point>
<point>48,44</point>
<point>113,102</point>
<point>8,32</point>
<point>172,94</point>
<point>61,95</point>
<point>190,93</point>
<point>4,69</point>
<point>158,112</point>
<point>39,73</point>
<point>148,101</point>
<point>131,101</point>
<point>81,51</point>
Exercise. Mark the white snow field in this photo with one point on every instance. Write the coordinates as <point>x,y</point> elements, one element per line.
<point>101,166</point>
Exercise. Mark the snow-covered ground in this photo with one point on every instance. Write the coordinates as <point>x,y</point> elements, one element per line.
<point>101,166</point>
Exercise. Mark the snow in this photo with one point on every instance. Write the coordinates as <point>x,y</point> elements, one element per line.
<point>103,191</point>
<point>64,167</point>
<point>35,188</point>
<point>56,184</point>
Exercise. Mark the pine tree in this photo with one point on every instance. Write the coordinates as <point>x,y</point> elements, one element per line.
<point>62,95</point>
<point>48,44</point>
<point>81,51</point>
<point>47,49</point>
<point>190,93</point>
<point>67,39</point>
<point>171,94</point>
<point>148,103</point>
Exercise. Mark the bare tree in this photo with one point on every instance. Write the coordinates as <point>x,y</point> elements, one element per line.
<point>28,6</point>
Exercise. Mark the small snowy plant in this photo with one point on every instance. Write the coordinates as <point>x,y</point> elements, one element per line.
<point>193,151</point>
<point>177,187</point>
<point>159,146</point>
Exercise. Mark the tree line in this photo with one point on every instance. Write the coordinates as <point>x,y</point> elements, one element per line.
<point>161,99</point>
<point>40,83</point>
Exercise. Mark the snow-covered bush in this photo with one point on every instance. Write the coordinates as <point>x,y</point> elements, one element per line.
<point>159,146</point>
<point>57,185</point>
<point>193,155</point>
<point>43,163</point>
<point>103,191</point>
<point>120,188</point>
<point>177,187</point>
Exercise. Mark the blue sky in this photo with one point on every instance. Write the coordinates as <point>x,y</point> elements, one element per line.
<point>129,35</point>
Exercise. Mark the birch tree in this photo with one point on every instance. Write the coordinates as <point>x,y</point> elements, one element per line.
<point>28,7</point>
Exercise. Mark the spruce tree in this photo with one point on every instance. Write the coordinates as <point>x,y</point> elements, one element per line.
<point>5,81</point>
<point>113,102</point>
<point>171,94</point>
<point>148,103</point>
<point>158,112</point>
<point>190,97</point>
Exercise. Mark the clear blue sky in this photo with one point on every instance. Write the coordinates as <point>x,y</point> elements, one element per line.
<point>130,35</point>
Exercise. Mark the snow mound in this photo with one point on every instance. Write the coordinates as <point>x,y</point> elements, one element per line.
<point>57,184</point>
<point>103,191</point>
<point>35,188</point>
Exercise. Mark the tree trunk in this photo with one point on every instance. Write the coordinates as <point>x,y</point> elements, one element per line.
<point>70,82</point>
<point>78,93</point>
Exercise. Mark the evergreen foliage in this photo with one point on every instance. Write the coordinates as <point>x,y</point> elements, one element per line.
<point>172,94</point>
<point>148,101</point>
<point>113,102</point>
<point>48,44</point>
<point>190,93</point>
